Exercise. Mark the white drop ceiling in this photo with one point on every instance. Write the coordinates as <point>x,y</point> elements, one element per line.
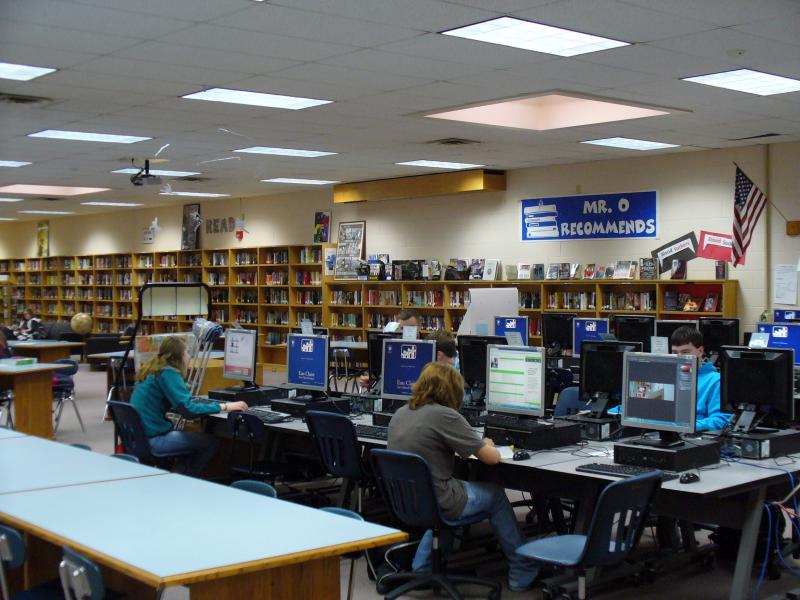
<point>123,65</point>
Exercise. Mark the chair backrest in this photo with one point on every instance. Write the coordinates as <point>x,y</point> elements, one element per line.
<point>256,487</point>
<point>81,579</point>
<point>82,446</point>
<point>66,373</point>
<point>337,443</point>
<point>128,457</point>
<point>559,379</point>
<point>342,512</point>
<point>619,518</point>
<point>245,426</point>
<point>569,402</point>
<point>131,430</point>
<point>12,555</point>
<point>408,486</point>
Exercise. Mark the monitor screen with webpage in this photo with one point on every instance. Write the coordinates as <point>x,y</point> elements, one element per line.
<point>515,380</point>
<point>403,361</point>
<point>241,353</point>
<point>307,361</point>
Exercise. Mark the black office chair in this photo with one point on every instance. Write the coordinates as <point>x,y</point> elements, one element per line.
<point>12,556</point>
<point>407,483</point>
<point>82,579</point>
<point>131,431</point>
<point>619,518</point>
<point>64,391</point>
<point>250,429</point>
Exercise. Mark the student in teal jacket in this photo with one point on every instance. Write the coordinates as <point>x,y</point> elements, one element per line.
<point>161,386</point>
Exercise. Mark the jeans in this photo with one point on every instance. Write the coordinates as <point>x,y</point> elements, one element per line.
<point>203,448</point>
<point>490,498</point>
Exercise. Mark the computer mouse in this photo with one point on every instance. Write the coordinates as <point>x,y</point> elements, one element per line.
<point>521,455</point>
<point>689,478</point>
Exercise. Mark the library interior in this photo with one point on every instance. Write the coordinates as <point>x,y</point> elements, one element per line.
<point>322,299</point>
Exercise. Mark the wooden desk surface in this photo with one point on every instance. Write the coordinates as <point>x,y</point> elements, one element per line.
<point>43,344</point>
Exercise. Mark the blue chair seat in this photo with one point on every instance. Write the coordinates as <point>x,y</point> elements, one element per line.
<point>470,520</point>
<point>563,550</point>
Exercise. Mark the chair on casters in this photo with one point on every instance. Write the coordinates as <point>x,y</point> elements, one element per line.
<point>255,487</point>
<point>616,526</point>
<point>569,402</point>
<point>353,556</point>
<point>64,390</point>
<point>249,428</point>
<point>408,486</point>
<point>12,556</point>
<point>134,441</point>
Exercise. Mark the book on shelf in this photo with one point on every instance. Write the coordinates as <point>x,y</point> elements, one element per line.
<point>648,268</point>
<point>588,271</point>
<point>609,274</point>
<point>711,303</point>
<point>476,267</point>
<point>523,270</point>
<point>600,272</point>
<point>490,269</point>
<point>435,269</point>
<point>621,269</point>
<point>670,300</point>
<point>552,271</point>
<point>563,270</point>
<point>692,304</point>
<point>538,271</point>
<point>678,269</point>
<point>511,272</point>
<point>721,269</point>
<point>575,270</point>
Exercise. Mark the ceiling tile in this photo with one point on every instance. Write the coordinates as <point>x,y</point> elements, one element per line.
<point>402,64</point>
<point>314,74</point>
<point>725,13</point>
<point>204,77</point>
<point>190,10</point>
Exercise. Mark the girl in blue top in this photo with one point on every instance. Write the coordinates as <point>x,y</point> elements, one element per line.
<point>161,386</point>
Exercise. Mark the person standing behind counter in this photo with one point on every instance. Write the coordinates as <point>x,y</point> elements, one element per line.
<point>160,386</point>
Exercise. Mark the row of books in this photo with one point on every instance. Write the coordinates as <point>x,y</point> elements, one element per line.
<point>346,297</point>
<point>277,317</point>
<point>308,278</point>
<point>279,297</point>
<point>303,296</point>
<point>340,319</point>
<point>247,297</point>
<point>629,300</point>
<point>382,298</point>
<point>424,298</point>
<point>572,300</point>
<point>676,301</point>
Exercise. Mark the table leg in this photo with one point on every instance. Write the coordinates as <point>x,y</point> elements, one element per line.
<point>51,355</point>
<point>33,403</point>
<point>740,586</point>
<point>317,579</point>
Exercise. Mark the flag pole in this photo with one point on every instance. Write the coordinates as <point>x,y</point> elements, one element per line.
<point>768,225</point>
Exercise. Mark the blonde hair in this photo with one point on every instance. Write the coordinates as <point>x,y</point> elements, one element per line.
<point>439,384</point>
<point>170,354</point>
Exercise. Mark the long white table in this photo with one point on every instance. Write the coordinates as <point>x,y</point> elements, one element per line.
<point>10,434</point>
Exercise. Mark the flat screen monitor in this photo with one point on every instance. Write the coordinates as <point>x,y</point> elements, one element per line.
<point>515,380</point>
<point>587,330</point>
<point>666,327</point>
<point>375,351</point>
<point>718,333</point>
<point>557,331</point>
<point>601,373</point>
<point>472,356</point>
<point>658,393</point>
<point>307,361</point>
<point>783,335</point>
<point>241,353</point>
<point>403,361</point>
<point>635,328</point>
<point>518,324</point>
<point>758,385</point>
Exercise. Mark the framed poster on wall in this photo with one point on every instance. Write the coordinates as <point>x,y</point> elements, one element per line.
<point>43,238</point>
<point>190,228</point>
<point>349,249</point>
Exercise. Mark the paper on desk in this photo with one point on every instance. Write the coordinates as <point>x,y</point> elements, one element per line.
<point>506,452</point>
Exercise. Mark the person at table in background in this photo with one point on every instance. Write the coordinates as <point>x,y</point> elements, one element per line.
<point>27,325</point>
<point>431,426</point>
<point>160,386</point>
<point>406,317</point>
<point>5,351</point>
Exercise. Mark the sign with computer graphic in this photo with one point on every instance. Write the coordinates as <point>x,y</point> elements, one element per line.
<point>627,215</point>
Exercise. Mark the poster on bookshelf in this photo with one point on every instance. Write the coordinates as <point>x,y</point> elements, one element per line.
<point>349,249</point>
<point>190,227</point>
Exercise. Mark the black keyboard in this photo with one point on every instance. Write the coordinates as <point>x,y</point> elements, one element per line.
<point>375,432</point>
<point>511,422</point>
<point>616,470</point>
<point>270,417</point>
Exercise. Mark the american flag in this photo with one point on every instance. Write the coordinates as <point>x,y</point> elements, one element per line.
<point>748,204</point>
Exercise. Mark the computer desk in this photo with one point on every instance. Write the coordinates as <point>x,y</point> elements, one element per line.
<point>33,396</point>
<point>46,351</point>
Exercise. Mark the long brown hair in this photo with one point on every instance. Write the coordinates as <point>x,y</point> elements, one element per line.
<point>170,354</point>
<point>439,384</point>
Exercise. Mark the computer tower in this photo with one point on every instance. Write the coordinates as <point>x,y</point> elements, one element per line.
<point>760,446</point>
<point>561,433</point>
<point>693,454</point>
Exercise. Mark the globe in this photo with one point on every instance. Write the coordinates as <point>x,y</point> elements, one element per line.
<point>81,323</point>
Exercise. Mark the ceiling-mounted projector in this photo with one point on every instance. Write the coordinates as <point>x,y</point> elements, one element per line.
<point>143,177</point>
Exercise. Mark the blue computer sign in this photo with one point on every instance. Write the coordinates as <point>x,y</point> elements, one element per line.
<point>307,361</point>
<point>587,330</point>
<point>783,335</point>
<point>502,325</point>
<point>784,316</point>
<point>403,361</point>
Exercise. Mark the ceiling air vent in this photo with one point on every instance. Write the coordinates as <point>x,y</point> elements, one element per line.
<point>453,141</point>
<point>20,100</point>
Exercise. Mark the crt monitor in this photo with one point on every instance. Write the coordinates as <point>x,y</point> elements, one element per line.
<point>601,374</point>
<point>307,362</point>
<point>557,331</point>
<point>718,333</point>
<point>757,384</point>
<point>375,350</point>
<point>635,328</point>
<point>666,327</point>
<point>472,356</point>
<point>783,335</point>
<point>515,380</point>
<point>659,393</point>
<point>241,353</point>
<point>403,361</point>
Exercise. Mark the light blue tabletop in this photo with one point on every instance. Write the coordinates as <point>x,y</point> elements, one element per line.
<point>7,434</point>
<point>173,526</point>
<point>121,353</point>
<point>42,343</point>
<point>30,463</point>
<point>39,366</point>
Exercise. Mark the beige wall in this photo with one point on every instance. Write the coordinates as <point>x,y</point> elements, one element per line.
<point>695,192</point>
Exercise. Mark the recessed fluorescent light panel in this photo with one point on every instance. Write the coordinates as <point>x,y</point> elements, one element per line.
<point>50,190</point>
<point>158,172</point>
<point>630,143</point>
<point>10,199</point>
<point>299,181</point>
<point>438,164</point>
<point>13,163</point>
<point>46,212</point>
<point>527,35</point>
<point>22,72</point>
<point>6,219</point>
<point>554,110</point>
<point>284,152</point>
<point>194,194</point>
<point>256,99</point>
<point>747,80</point>
<point>111,204</point>
<point>83,136</point>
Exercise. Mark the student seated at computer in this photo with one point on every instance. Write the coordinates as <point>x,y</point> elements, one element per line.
<point>431,426</point>
<point>446,353</point>
<point>406,317</point>
<point>160,386</point>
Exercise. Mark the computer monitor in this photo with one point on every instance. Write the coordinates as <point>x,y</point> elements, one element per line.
<point>757,384</point>
<point>507,324</point>
<point>635,328</point>
<point>472,357</point>
<point>601,374</point>
<point>782,335</point>
<point>307,362</point>
<point>666,327</point>
<point>375,351</point>
<point>403,361</point>
<point>659,393</point>
<point>557,331</point>
<point>241,354</point>
<point>515,380</point>
<point>718,333</point>
<point>587,330</point>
